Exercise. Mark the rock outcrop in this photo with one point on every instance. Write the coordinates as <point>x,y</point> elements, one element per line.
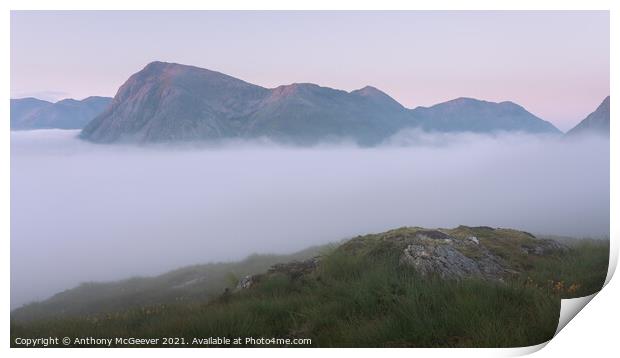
<point>464,252</point>
<point>294,270</point>
<point>461,253</point>
<point>447,261</point>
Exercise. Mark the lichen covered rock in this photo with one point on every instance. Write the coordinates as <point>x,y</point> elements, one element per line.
<point>463,252</point>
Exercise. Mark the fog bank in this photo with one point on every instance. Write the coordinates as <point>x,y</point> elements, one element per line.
<point>86,212</point>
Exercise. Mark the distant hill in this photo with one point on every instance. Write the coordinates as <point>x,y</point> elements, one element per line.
<point>596,122</point>
<point>472,115</point>
<point>23,108</point>
<point>171,102</point>
<point>32,113</point>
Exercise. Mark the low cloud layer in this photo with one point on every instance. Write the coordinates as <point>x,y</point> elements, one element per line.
<point>85,212</point>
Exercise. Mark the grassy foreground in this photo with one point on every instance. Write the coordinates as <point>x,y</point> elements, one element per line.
<point>196,283</point>
<point>363,300</point>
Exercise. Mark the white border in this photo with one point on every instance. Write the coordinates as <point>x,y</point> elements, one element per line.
<point>594,329</point>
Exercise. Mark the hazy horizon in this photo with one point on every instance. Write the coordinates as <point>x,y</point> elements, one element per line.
<point>555,69</point>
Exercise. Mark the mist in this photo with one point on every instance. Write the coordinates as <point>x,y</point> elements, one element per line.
<point>87,212</point>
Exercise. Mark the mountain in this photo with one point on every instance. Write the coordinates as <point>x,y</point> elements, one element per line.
<point>32,113</point>
<point>306,113</point>
<point>168,102</point>
<point>172,102</point>
<point>596,122</point>
<point>24,108</point>
<point>472,115</point>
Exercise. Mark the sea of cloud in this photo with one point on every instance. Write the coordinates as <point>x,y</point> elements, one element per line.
<point>88,212</point>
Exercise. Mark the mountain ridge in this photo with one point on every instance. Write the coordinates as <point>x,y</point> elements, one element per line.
<point>470,114</point>
<point>169,102</point>
<point>174,102</point>
<point>596,122</point>
<point>68,113</point>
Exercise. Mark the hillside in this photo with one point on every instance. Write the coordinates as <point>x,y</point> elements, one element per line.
<point>188,284</point>
<point>409,287</point>
<point>472,115</point>
<point>596,123</point>
<point>32,113</point>
<point>22,108</point>
<point>168,102</point>
<point>306,114</point>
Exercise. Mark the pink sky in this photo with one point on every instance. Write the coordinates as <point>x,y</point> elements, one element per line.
<point>555,64</point>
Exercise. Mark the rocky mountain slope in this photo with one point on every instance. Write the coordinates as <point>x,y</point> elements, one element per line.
<point>168,102</point>
<point>596,122</point>
<point>32,113</point>
<point>173,102</point>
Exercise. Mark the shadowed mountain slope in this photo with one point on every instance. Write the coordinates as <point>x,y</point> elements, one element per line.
<point>596,122</point>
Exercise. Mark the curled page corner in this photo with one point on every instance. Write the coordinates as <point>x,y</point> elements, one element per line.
<point>523,351</point>
<point>613,261</point>
<point>569,309</point>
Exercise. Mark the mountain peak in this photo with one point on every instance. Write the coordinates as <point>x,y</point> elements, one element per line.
<point>464,100</point>
<point>160,69</point>
<point>467,100</point>
<point>510,103</point>
<point>480,103</point>
<point>369,91</point>
<point>170,102</point>
<point>30,100</point>
<point>377,96</point>
<point>596,122</point>
<point>159,65</point>
<point>295,90</point>
<point>474,115</point>
<point>173,102</point>
<point>68,101</point>
<point>296,87</point>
